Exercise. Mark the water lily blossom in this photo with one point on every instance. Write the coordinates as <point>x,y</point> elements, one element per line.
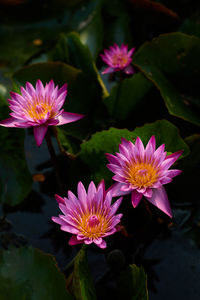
<point>39,108</point>
<point>143,171</point>
<point>118,59</point>
<point>89,217</point>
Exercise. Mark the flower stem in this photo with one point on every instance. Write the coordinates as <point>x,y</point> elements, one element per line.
<point>53,159</point>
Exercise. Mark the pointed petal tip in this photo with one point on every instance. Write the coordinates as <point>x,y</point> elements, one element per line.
<point>39,133</point>
<point>59,199</point>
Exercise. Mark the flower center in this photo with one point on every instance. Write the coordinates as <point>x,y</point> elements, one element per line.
<point>93,221</point>
<point>141,175</point>
<point>38,111</point>
<point>119,60</point>
<point>93,226</point>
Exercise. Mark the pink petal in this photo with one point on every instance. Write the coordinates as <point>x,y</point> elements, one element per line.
<point>115,206</point>
<point>165,180</point>
<point>130,52</point>
<point>10,122</point>
<point>129,70</point>
<point>148,193</point>
<point>59,199</point>
<point>39,133</point>
<point>73,241</point>
<point>159,199</point>
<point>67,117</point>
<point>108,70</point>
<point>103,245</point>
<point>112,159</point>
<point>172,173</point>
<point>150,147</point>
<point>135,198</point>
<point>39,88</point>
<point>139,145</point>
<point>116,190</point>
<point>62,89</point>
<point>30,89</point>
<point>159,151</point>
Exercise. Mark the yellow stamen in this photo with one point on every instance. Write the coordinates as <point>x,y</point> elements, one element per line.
<point>93,226</point>
<point>119,59</point>
<point>142,174</point>
<point>38,111</point>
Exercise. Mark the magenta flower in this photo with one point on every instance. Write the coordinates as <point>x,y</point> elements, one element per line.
<point>118,59</point>
<point>39,108</point>
<point>143,172</point>
<point>90,217</point>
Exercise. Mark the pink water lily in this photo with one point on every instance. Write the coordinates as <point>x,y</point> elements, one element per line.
<point>143,171</point>
<point>39,108</point>
<point>118,59</point>
<point>89,217</point>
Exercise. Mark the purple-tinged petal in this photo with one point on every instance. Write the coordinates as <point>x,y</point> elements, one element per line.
<point>126,188</point>
<point>62,89</point>
<point>131,51</point>
<point>116,190</point>
<point>165,180</point>
<point>88,241</point>
<point>148,193</point>
<point>112,159</point>
<point>74,241</point>
<point>67,117</point>
<point>151,145</point>
<point>139,145</point>
<point>10,122</point>
<point>129,70</point>
<point>82,195</point>
<point>108,70</point>
<point>160,200</point>
<point>172,173</point>
<point>59,199</point>
<point>170,159</point>
<point>39,133</point>
<point>159,151</point>
<point>118,178</point>
<point>39,88</point>
<point>30,89</point>
<point>103,245</point>
<point>135,198</point>
<point>115,206</point>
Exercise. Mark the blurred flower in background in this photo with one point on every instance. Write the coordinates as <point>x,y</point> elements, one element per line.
<point>118,59</point>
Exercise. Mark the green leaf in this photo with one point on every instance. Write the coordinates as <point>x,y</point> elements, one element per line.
<point>132,283</point>
<point>107,141</point>
<point>24,36</point>
<point>82,286</point>
<point>117,23</point>
<point>126,95</point>
<point>92,35</point>
<point>29,274</point>
<point>171,62</point>
<point>15,179</point>
<point>80,57</point>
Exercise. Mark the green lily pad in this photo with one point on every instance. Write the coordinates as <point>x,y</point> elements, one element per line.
<point>126,95</point>
<point>28,273</point>
<point>171,62</point>
<point>24,35</point>
<point>107,141</point>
